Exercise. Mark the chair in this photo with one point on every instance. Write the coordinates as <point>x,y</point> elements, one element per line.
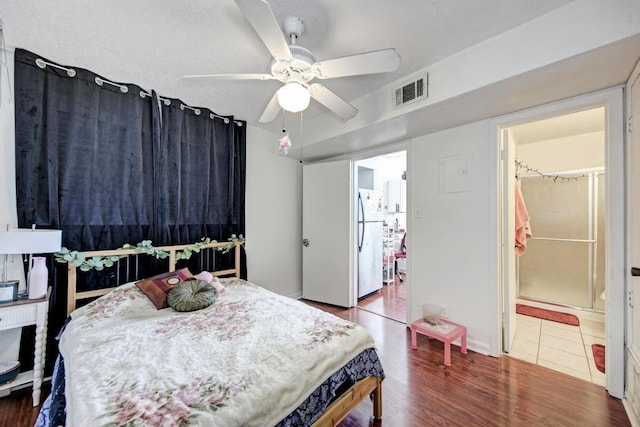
<point>401,254</point>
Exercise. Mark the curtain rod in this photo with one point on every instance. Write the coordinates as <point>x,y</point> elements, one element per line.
<point>100,81</point>
<point>166,101</point>
<point>196,110</point>
<point>124,89</point>
<point>43,64</point>
<point>226,119</point>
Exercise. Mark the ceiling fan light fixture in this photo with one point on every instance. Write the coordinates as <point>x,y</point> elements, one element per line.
<point>296,66</point>
<point>293,97</point>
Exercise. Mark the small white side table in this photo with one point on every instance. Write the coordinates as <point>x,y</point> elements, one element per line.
<point>25,312</point>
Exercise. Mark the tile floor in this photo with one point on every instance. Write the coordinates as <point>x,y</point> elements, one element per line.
<point>559,347</point>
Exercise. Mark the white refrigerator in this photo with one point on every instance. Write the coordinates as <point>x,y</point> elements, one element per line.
<point>370,234</point>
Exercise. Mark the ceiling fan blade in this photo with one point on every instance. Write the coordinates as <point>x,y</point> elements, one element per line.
<point>333,102</point>
<point>378,61</point>
<point>229,77</point>
<point>272,110</point>
<point>262,19</point>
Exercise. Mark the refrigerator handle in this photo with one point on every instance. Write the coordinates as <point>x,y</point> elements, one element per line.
<point>360,223</point>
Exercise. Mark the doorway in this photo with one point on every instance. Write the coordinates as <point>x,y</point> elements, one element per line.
<point>614,223</point>
<point>383,176</point>
<point>560,177</point>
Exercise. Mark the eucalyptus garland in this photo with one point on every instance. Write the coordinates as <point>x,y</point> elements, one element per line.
<point>100,262</point>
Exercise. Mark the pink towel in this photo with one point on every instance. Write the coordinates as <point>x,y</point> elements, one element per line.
<point>523,228</point>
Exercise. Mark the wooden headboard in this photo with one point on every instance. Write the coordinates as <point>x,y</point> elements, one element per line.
<point>73,295</point>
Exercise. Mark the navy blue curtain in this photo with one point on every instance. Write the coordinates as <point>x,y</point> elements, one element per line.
<point>200,175</point>
<point>84,156</point>
<point>110,167</point>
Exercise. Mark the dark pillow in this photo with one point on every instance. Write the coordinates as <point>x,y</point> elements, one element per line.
<point>191,295</point>
<point>157,287</point>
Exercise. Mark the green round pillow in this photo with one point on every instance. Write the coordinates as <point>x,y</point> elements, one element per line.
<point>191,295</point>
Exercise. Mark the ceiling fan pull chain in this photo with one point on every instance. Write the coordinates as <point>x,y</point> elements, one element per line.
<point>301,139</point>
<point>283,113</point>
<point>284,143</point>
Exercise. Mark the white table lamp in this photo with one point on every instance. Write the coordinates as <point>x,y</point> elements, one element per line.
<point>26,241</point>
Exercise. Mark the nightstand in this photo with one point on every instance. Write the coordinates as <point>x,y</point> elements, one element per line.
<point>25,312</point>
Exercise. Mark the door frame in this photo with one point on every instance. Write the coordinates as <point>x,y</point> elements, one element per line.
<point>613,102</point>
<point>632,386</point>
<point>507,212</point>
<point>375,152</point>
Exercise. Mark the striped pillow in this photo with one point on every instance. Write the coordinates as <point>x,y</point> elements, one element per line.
<point>157,287</point>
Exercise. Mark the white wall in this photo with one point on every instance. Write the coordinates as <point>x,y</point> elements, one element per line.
<point>449,244</point>
<point>584,151</point>
<point>8,210</point>
<point>9,340</point>
<point>273,215</point>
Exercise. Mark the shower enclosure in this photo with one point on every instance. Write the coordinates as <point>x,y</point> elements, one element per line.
<point>564,260</point>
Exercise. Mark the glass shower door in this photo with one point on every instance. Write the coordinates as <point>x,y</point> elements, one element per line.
<point>564,262</point>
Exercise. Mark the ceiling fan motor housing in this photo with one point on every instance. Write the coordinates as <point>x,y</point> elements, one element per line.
<point>301,64</point>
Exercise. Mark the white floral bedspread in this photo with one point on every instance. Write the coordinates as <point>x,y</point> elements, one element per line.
<point>248,360</point>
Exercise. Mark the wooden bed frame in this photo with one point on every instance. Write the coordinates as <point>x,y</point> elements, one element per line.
<point>334,413</point>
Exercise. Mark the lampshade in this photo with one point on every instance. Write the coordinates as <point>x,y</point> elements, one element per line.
<point>293,97</point>
<point>28,241</point>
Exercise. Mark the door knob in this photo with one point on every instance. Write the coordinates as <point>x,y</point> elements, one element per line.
<point>305,243</point>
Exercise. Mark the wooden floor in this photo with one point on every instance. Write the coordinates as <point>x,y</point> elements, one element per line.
<point>476,390</point>
<point>420,391</point>
<point>390,301</point>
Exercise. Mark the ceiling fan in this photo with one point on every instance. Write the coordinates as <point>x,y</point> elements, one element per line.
<point>296,66</point>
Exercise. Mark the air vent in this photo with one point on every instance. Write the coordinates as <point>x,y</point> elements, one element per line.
<point>411,92</point>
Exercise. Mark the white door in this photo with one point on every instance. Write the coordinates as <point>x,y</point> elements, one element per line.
<point>328,233</point>
<point>632,392</point>
<point>508,240</point>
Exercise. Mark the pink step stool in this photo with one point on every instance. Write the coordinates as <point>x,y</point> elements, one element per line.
<point>446,332</point>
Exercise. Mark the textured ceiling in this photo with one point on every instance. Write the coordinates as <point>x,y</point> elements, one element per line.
<point>153,43</point>
<point>567,125</point>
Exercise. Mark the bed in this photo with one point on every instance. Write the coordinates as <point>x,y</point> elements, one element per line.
<point>252,358</point>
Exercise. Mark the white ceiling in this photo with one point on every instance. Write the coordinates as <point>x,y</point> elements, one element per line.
<point>152,43</point>
<point>563,126</point>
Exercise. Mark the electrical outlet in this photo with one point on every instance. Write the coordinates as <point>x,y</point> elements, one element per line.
<point>444,311</point>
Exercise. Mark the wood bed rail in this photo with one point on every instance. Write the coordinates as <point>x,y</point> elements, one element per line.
<point>346,403</point>
<point>73,295</point>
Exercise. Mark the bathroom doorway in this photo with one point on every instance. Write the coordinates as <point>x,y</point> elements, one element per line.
<point>561,177</point>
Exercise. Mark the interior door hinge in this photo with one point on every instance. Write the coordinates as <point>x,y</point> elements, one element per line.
<point>502,153</point>
<point>630,298</point>
<point>630,124</point>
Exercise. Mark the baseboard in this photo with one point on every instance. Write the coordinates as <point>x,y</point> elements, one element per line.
<point>476,346</point>
<point>632,418</point>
